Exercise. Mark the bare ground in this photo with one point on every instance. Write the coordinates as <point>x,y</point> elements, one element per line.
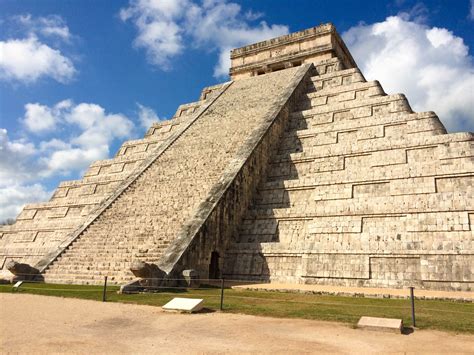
<point>40,324</point>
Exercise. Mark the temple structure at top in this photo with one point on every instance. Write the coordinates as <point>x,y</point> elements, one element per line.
<point>313,45</point>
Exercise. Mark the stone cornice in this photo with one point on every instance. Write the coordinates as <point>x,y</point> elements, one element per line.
<point>282,40</point>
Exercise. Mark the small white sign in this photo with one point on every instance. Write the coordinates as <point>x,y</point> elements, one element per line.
<point>184,304</point>
<point>18,284</point>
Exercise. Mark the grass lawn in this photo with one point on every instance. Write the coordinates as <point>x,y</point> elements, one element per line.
<point>430,314</point>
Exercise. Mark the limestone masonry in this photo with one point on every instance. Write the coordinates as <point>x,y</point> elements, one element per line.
<point>298,170</point>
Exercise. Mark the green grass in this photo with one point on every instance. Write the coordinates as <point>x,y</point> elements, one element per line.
<point>430,314</point>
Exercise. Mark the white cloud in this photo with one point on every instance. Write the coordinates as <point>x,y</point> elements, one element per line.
<point>91,130</point>
<point>15,160</point>
<point>38,118</point>
<point>48,26</point>
<point>471,13</point>
<point>85,115</point>
<point>24,164</point>
<point>158,32</point>
<point>164,28</point>
<point>53,144</point>
<point>14,197</point>
<point>33,56</point>
<point>430,65</point>
<point>418,13</point>
<point>147,116</point>
<point>28,59</point>
<point>73,159</point>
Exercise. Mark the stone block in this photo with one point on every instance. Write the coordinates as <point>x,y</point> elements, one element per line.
<point>188,305</point>
<point>381,324</point>
<point>191,278</point>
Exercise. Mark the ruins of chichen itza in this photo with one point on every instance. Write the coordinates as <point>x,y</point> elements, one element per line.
<point>298,170</point>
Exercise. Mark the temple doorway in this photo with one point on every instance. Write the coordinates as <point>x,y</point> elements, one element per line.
<point>214,272</point>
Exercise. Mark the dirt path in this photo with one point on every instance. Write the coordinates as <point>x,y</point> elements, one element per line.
<point>39,324</point>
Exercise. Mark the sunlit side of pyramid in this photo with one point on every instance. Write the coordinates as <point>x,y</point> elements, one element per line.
<point>298,170</point>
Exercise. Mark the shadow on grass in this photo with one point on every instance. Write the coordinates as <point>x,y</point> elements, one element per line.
<point>206,310</point>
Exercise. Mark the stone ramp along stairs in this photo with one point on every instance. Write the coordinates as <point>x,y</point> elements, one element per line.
<point>298,170</point>
<point>141,221</point>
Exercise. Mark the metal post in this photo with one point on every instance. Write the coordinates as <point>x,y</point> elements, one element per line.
<point>412,299</point>
<point>222,294</point>
<point>104,298</point>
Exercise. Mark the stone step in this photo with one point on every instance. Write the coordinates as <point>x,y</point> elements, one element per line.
<point>90,250</point>
<point>331,96</point>
<point>50,224</point>
<point>67,202</point>
<point>349,88</point>
<point>101,246</point>
<point>92,275</point>
<point>337,78</point>
<point>88,279</point>
<point>88,268</point>
<point>422,122</point>
<point>88,275</point>
<point>331,141</point>
<point>368,205</point>
<point>95,179</point>
<point>345,181</point>
<point>303,178</point>
<point>107,258</point>
<point>69,281</point>
<point>371,106</point>
<point>146,244</point>
<point>455,145</point>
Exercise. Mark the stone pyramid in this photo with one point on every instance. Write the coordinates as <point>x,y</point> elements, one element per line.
<point>298,170</point>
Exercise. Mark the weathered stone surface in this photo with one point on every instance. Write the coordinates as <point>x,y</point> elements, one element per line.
<point>145,270</point>
<point>313,45</point>
<point>381,324</point>
<point>21,271</point>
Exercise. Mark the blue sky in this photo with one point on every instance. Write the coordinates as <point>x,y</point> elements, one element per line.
<point>78,77</point>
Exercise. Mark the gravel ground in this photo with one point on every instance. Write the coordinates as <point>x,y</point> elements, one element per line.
<point>40,324</point>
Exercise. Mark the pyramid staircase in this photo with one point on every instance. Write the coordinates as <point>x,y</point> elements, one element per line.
<point>144,219</point>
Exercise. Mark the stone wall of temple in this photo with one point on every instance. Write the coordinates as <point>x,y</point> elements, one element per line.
<point>362,191</point>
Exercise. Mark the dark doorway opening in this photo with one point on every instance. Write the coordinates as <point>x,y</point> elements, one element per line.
<point>214,272</point>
